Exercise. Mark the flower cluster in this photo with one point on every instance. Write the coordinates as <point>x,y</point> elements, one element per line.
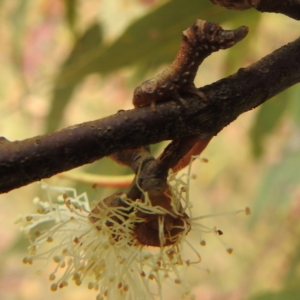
<point>102,250</point>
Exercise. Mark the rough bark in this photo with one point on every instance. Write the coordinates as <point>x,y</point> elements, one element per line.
<point>23,162</point>
<point>289,8</point>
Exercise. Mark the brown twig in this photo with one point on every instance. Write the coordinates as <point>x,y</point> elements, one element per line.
<point>23,162</point>
<point>289,8</point>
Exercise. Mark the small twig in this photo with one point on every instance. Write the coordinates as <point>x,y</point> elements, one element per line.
<point>290,8</point>
<point>23,162</point>
<point>198,42</point>
<point>178,153</point>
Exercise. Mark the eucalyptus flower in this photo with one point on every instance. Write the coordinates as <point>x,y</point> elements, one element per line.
<point>99,248</point>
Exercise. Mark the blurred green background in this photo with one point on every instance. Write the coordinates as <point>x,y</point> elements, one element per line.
<point>67,62</point>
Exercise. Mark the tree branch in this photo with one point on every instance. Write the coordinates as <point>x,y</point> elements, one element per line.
<point>289,8</point>
<point>23,162</point>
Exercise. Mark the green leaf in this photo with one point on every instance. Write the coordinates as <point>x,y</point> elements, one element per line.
<point>267,117</point>
<point>154,39</point>
<point>289,293</point>
<point>294,108</point>
<point>147,43</point>
<point>18,21</point>
<point>292,276</point>
<point>277,184</point>
<point>70,9</point>
<point>69,77</point>
<point>238,54</point>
